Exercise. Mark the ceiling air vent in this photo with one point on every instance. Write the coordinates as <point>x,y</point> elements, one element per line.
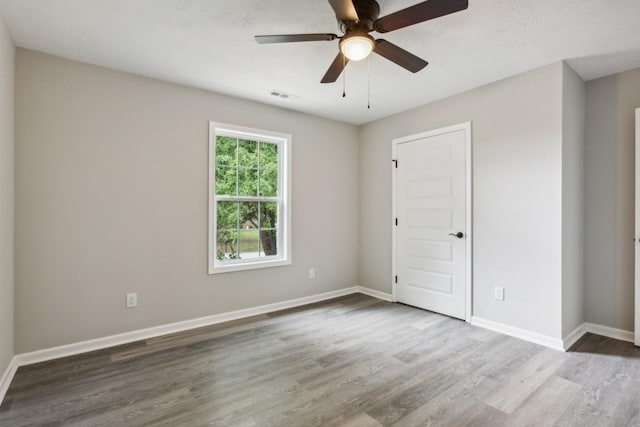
<point>283,95</point>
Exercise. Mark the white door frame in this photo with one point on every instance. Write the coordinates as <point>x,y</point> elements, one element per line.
<point>466,126</point>
<point>636,240</point>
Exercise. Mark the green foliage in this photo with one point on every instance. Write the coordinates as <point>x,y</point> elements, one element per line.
<point>248,169</point>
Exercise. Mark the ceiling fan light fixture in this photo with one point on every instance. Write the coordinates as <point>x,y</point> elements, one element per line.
<point>357,47</point>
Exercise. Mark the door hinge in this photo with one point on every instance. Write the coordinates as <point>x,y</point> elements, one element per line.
<point>396,279</point>
<point>396,222</point>
<point>396,162</point>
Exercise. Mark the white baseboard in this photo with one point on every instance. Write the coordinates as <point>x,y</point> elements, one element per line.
<point>142,334</point>
<point>607,331</point>
<point>574,336</point>
<point>534,337</point>
<point>375,293</point>
<point>7,377</point>
<point>555,343</point>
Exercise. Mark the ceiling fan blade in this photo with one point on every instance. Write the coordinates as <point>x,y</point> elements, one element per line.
<point>288,38</point>
<point>400,56</point>
<point>344,9</point>
<point>420,12</point>
<point>335,69</point>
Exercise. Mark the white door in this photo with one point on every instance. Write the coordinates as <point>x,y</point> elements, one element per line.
<point>431,236</point>
<point>637,238</point>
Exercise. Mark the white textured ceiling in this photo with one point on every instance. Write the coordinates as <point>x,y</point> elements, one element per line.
<point>209,44</point>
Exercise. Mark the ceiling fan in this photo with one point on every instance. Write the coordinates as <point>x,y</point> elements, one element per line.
<point>358,18</point>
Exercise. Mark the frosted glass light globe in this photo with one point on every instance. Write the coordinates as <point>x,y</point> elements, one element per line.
<point>356,48</point>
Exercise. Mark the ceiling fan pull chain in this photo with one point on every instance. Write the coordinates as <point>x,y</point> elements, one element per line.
<point>344,76</point>
<point>369,83</point>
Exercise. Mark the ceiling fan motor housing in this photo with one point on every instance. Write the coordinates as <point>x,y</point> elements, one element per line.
<point>368,12</point>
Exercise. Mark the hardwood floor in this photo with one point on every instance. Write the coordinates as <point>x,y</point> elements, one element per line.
<point>354,361</point>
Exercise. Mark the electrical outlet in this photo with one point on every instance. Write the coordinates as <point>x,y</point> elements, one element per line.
<point>132,300</point>
<point>312,273</point>
<point>498,293</point>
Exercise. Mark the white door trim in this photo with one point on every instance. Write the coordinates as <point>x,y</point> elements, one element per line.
<point>468,214</point>
<point>636,241</point>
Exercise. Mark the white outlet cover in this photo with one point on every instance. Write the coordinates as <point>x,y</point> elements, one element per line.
<point>132,300</point>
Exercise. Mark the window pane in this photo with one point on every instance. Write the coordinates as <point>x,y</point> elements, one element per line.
<point>226,181</point>
<point>268,215</point>
<point>226,151</point>
<point>269,182</point>
<point>269,242</point>
<point>248,154</point>
<point>226,245</point>
<point>268,155</point>
<point>248,244</point>
<point>227,215</point>
<point>247,182</point>
<point>249,215</point>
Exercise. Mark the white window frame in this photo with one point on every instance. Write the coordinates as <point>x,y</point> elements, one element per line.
<point>284,198</point>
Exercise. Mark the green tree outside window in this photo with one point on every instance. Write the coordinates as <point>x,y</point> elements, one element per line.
<point>246,178</point>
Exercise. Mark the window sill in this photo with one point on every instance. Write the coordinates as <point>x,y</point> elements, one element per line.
<point>251,265</point>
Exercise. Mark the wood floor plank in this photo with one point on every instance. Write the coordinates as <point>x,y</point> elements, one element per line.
<point>547,404</point>
<point>514,390</point>
<point>361,420</point>
<point>606,368</point>
<point>352,361</point>
<point>445,406</point>
<point>470,413</point>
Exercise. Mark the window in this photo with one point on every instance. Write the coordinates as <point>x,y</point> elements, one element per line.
<point>249,190</point>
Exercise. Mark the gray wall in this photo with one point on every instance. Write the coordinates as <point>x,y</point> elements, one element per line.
<point>7,58</point>
<point>517,161</point>
<point>111,178</point>
<point>108,163</point>
<point>609,199</point>
<point>573,122</point>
